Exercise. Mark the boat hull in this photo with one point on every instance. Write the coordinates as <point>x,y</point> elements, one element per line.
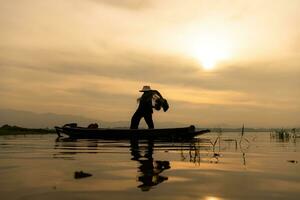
<point>121,134</point>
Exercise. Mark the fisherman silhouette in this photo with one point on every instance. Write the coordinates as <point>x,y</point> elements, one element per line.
<point>149,169</point>
<point>149,100</point>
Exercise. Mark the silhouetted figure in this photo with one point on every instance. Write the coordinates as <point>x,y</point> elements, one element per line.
<point>149,100</point>
<point>149,169</point>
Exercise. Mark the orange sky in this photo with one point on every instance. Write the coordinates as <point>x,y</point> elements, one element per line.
<point>218,62</point>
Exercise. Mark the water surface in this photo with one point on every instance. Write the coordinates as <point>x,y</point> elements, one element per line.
<point>43,167</point>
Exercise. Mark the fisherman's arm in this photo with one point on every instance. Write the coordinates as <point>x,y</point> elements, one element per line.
<point>155,92</point>
<point>163,102</point>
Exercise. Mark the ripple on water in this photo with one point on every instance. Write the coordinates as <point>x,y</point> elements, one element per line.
<point>43,167</point>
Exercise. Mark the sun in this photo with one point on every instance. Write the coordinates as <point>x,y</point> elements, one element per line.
<point>209,49</point>
<point>210,52</point>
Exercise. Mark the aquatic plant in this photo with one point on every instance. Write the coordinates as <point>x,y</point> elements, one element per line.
<point>242,136</point>
<point>284,135</point>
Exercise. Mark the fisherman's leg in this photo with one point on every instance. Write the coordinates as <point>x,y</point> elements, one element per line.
<point>149,120</point>
<point>135,120</point>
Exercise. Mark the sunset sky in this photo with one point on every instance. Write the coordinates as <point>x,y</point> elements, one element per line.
<point>217,62</point>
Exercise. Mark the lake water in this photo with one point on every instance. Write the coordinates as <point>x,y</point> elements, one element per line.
<point>41,167</point>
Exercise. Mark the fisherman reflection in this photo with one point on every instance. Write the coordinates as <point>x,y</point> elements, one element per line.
<point>149,169</point>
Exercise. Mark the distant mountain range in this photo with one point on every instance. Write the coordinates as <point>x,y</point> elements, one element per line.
<point>35,120</point>
<point>29,119</point>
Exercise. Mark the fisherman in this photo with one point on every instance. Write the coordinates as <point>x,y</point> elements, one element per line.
<point>149,100</point>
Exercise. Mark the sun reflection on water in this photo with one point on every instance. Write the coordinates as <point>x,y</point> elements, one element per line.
<point>212,198</point>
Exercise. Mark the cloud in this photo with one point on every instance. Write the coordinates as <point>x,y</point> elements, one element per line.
<point>91,57</point>
<point>126,4</point>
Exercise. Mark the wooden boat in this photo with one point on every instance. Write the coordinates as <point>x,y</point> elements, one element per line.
<point>171,134</point>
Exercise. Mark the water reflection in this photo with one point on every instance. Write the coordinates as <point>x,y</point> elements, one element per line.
<point>149,169</point>
<point>221,143</point>
<point>268,169</point>
<point>283,137</point>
